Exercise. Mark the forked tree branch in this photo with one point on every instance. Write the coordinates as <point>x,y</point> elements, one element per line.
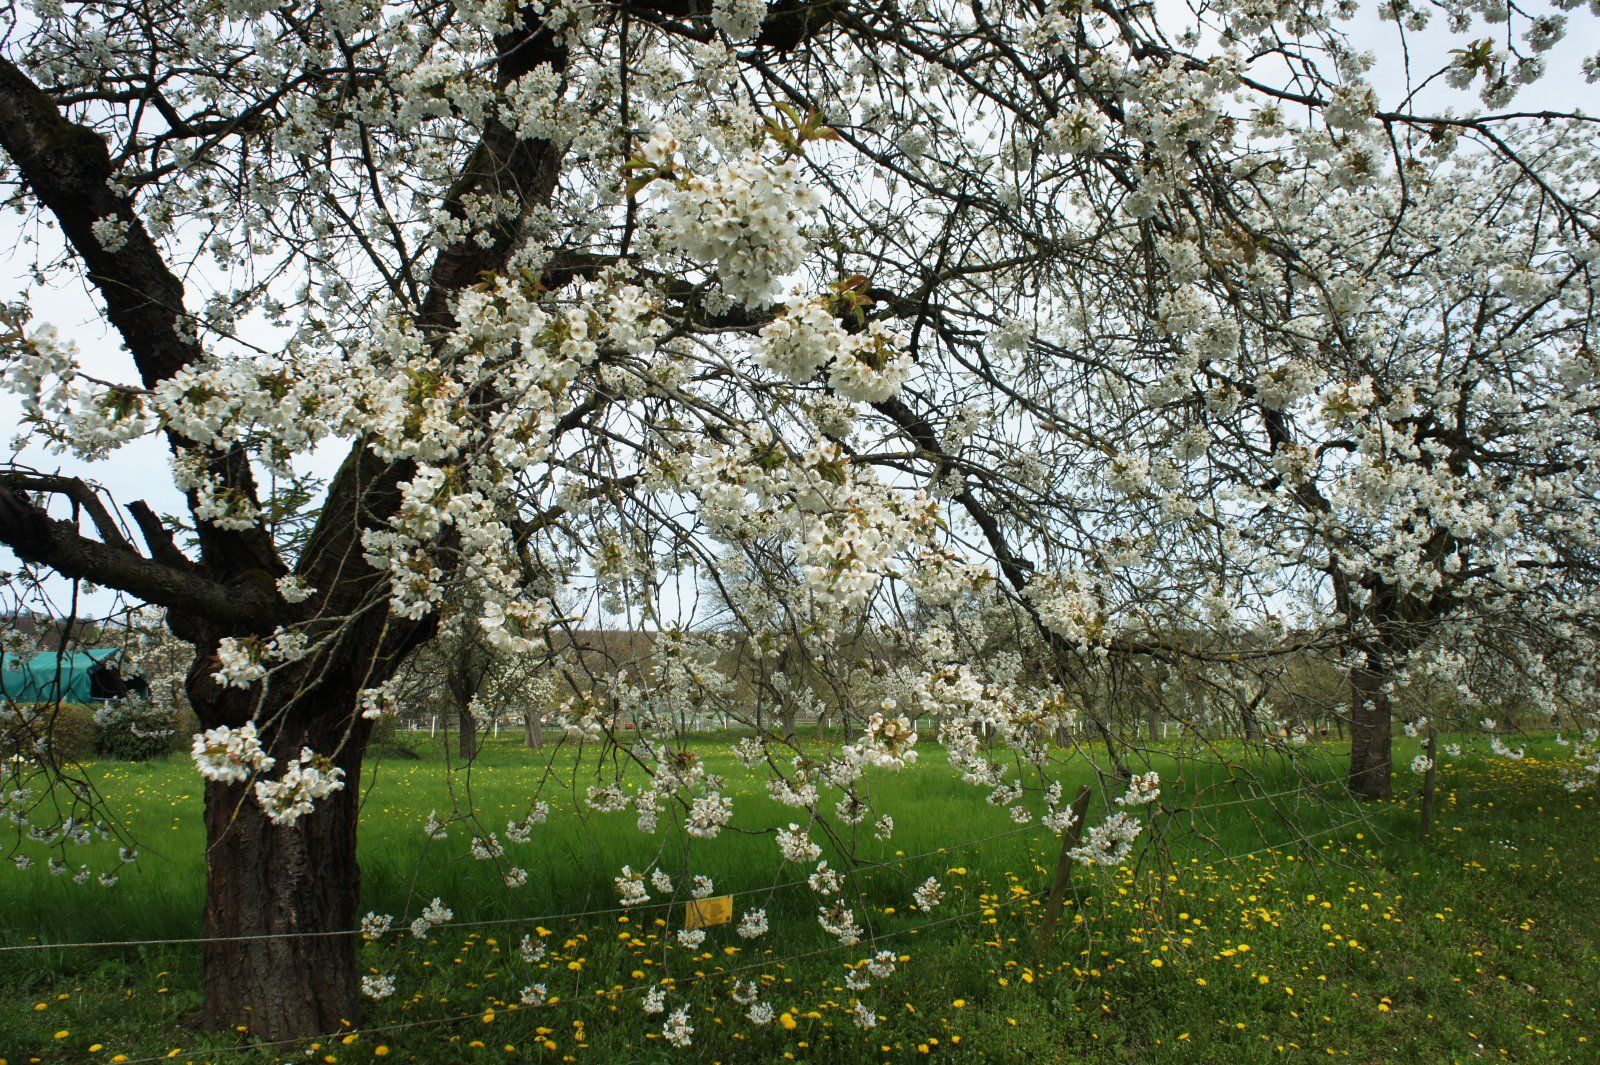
<point>39,539</point>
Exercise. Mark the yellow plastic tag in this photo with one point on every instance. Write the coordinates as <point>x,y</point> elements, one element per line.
<point>708,913</point>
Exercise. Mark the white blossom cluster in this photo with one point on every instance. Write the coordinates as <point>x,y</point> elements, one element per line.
<point>1143,789</point>
<point>630,888</point>
<point>433,915</point>
<point>747,217</point>
<point>796,845</point>
<point>1109,842</point>
<point>865,366</point>
<point>886,742</point>
<point>230,755</point>
<point>306,779</point>
<point>753,924</point>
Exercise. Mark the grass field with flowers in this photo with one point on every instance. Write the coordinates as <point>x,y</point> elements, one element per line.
<point>1263,918</point>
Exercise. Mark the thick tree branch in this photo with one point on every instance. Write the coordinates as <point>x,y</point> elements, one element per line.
<point>82,495</point>
<point>157,537</point>
<point>366,489</point>
<point>68,167</point>
<point>37,538</point>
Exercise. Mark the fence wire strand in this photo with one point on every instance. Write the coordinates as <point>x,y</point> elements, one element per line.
<point>675,984</point>
<point>671,983</point>
<point>1031,826</point>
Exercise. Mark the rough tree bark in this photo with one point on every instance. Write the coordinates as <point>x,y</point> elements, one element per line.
<point>1247,721</point>
<point>276,881</point>
<point>1371,729</point>
<point>788,718</point>
<point>467,732</point>
<point>282,900</point>
<point>465,671</point>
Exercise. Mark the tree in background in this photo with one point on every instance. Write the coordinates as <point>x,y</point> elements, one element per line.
<point>1407,418</point>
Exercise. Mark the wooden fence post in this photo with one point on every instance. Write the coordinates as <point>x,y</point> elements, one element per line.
<point>1427,786</point>
<point>1056,900</point>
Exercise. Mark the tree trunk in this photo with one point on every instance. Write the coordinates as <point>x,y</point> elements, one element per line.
<point>282,901</point>
<point>293,886</point>
<point>263,880</point>
<point>467,732</point>
<point>1122,771</point>
<point>1371,732</point>
<point>533,730</point>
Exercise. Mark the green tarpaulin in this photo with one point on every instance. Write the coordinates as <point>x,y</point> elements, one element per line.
<point>87,676</point>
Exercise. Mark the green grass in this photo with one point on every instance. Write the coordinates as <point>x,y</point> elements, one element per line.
<point>1356,943</point>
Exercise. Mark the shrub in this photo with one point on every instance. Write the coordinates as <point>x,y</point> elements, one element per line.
<point>135,729</point>
<point>386,739</point>
<point>66,730</point>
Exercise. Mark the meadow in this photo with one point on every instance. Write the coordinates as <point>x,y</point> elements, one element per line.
<point>1263,918</point>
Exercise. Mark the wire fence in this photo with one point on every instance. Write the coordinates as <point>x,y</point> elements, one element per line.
<point>679,983</point>
<point>608,911</point>
<point>615,993</point>
<point>869,942</point>
<point>503,921</point>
